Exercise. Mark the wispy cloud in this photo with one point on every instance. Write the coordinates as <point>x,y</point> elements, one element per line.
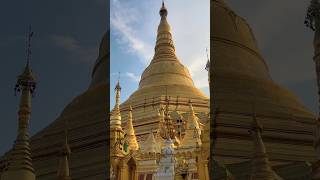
<point>132,76</point>
<point>132,28</point>
<point>73,46</point>
<point>122,20</point>
<point>198,72</point>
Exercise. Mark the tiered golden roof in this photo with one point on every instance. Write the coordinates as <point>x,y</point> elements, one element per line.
<point>165,75</point>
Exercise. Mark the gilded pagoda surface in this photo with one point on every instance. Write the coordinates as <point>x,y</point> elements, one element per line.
<point>242,88</point>
<point>165,77</point>
<point>164,131</point>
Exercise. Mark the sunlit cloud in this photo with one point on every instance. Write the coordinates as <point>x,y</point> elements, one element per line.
<point>122,20</point>
<point>190,41</point>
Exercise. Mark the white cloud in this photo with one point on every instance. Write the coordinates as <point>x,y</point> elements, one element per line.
<point>132,76</point>
<point>122,20</point>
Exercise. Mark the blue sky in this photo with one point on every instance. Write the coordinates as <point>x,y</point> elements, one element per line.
<point>133,33</point>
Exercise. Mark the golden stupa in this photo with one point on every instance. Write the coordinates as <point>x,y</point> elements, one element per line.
<point>166,114</point>
<point>165,77</point>
<point>243,89</point>
<point>85,117</point>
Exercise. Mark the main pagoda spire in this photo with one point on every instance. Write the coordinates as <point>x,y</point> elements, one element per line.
<point>164,44</point>
<point>19,160</point>
<point>165,72</point>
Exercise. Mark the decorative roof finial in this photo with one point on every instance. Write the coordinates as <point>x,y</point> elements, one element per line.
<point>26,79</point>
<point>163,11</point>
<point>28,46</point>
<point>118,87</point>
<point>19,160</point>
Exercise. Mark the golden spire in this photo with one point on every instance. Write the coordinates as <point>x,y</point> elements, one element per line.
<point>20,162</point>
<point>64,171</point>
<point>261,169</point>
<point>165,70</point>
<point>116,133</point>
<point>115,119</point>
<point>130,135</point>
<point>164,44</point>
<point>118,90</point>
<point>163,11</point>
<point>192,136</point>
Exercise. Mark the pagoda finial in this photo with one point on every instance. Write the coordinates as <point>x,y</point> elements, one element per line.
<point>26,79</point>
<point>163,11</point>
<point>28,48</point>
<point>118,91</point>
<point>115,119</point>
<point>19,160</point>
<point>118,87</point>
